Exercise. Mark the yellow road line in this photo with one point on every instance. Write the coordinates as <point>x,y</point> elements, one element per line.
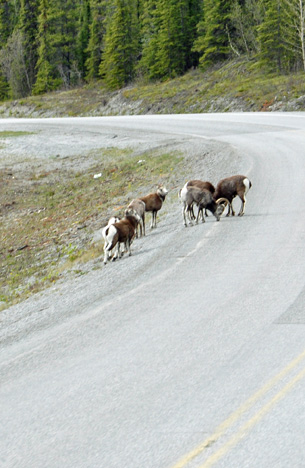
<point>251,422</point>
<point>239,412</point>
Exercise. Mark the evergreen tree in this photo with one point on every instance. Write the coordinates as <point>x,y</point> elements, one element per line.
<point>6,21</point>
<point>28,21</point>
<point>83,36</point>
<point>195,15</point>
<point>121,44</point>
<point>169,35</point>
<point>45,75</point>
<point>150,26</point>
<point>4,88</point>
<point>61,40</point>
<point>172,51</point>
<point>273,52</point>
<point>96,38</point>
<point>214,45</point>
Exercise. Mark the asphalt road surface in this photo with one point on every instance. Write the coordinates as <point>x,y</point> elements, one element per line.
<point>193,359</point>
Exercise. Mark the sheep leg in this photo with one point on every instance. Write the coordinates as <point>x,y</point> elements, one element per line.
<point>127,246</point>
<point>230,210</point>
<point>189,214</point>
<point>192,214</point>
<point>107,249</point>
<point>242,207</point>
<point>142,227</point>
<point>117,252</point>
<point>184,209</point>
<point>200,212</point>
<point>155,218</point>
<point>106,256</point>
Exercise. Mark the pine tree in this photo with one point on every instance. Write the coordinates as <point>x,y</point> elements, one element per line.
<point>28,21</point>
<point>171,53</point>
<point>121,44</point>
<point>4,88</point>
<point>273,52</point>
<point>150,26</point>
<point>45,75</point>
<point>7,21</point>
<point>170,33</point>
<point>83,36</point>
<point>214,45</point>
<point>97,31</point>
<point>62,40</point>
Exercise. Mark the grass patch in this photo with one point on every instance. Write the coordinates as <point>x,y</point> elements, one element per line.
<point>48,217</point>
<point>10,134</point>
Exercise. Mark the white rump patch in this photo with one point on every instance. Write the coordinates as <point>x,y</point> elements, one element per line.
<point>246,183</point>
<point>111,234</point>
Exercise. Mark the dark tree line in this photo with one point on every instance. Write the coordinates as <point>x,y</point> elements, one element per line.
<point>50,44</point>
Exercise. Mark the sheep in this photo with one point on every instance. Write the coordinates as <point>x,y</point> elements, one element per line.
<point>138,206</point>
<point>203,185</point>
<point>153,202</point>
<point>112,220</point>
<point>121,231</point>
<point>203,199</point>
<point>230,187</point>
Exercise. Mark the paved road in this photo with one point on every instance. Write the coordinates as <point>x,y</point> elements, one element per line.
<point>200,361</point>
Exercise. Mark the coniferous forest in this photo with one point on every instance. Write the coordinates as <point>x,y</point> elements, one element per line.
<point>53,44</point>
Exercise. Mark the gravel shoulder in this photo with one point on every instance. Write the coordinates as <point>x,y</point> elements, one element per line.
<point>96,286</point>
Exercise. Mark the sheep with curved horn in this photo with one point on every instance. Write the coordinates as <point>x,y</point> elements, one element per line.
<point>230,187</point>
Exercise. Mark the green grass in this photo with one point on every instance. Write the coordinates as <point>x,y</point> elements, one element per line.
<point>10,134</point>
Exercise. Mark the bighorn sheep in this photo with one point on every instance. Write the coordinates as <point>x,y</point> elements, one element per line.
<point>153,202</point>
<point>121,231</point>
<point>204,200</point>
<point>203,185</point>
<point>138,206</point>
<point>111,221</point>
<point>230,187</point>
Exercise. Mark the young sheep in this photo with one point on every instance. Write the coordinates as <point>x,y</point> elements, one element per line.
<point>121,231</point>
<point>138,206</point>
<point>204,200</point>
<point>153,202</point>
<point>202,185</point>
<point>230,187</point>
